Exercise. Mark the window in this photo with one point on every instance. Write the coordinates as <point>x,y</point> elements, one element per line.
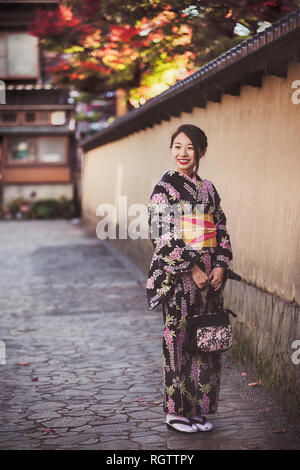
<point>36,150</point>
<point>21,150</point>
<point>18,55</point>
<point>51,150</point>
<point>30,117</point>
<point>58,118</point>
<point>8,117</point>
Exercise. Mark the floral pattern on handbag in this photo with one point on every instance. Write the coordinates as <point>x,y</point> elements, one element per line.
<point>211,332</point>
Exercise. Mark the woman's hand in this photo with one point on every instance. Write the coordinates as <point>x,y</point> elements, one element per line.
<point>199,277</point>
<point>216,276</point>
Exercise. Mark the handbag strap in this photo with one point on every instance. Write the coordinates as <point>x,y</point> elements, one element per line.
<point>213,301</point>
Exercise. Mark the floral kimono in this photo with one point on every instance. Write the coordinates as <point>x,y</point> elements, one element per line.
<point>187,226</point>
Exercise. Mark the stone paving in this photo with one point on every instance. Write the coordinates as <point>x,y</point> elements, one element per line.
<point>83,365</point>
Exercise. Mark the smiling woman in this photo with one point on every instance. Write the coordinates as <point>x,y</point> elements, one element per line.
<point>188,145</point>
<point>187,260</point>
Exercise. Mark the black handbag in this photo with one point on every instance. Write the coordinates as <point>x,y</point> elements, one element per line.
<point>211,331</point>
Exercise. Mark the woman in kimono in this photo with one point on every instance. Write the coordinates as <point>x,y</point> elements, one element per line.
<point>192,253</point>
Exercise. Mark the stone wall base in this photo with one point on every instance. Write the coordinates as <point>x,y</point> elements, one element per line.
<point>264,331</point>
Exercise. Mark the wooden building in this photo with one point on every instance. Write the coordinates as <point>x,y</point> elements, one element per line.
<point>37,126</point>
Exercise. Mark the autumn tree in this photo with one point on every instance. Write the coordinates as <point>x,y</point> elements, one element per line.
<point>144,47</point>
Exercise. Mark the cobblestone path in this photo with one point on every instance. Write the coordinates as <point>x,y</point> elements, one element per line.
<point>83,365</point>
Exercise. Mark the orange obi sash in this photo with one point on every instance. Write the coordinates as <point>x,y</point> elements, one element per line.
<point>199,230</point>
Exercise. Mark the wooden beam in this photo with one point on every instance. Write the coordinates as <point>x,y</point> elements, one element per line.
<point>156,119</point>
<point>143,126</point>
<point>253,79</point>
<point>199,101</point>
<point>36,107</point>
<point>213,94</point>
<point>187,106</point>
<point>36,174</point>
<point>164,115</point>
<point>194,99</point>
<point>175,109</point>
<point>232,88</point>
<point>167,117</point>
<point>279,69</point>
<point>136,127</point>
<point>285,53</point>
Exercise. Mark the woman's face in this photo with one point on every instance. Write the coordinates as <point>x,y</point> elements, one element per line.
<point>184,154</point>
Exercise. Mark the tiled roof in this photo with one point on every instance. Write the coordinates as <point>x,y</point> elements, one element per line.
<point>22,95</point>
<point>35,130</point>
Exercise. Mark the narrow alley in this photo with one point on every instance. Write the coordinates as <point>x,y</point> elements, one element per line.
<point>83,365</point>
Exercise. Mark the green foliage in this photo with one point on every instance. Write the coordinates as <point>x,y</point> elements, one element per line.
<point>14,206</point>
<point>95,117</point>
<point>61,208</point>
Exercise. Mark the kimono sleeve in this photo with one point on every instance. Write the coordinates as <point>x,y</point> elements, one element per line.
<point>172,254</point>
<point>223,250</point>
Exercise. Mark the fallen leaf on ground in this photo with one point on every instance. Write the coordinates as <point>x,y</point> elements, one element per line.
<point>154,402</point>
<point>253,384</point>
<point>244,374</point>
<point>280,430</point>
<point>23,363</point>
<point>140,400</point>
<point>34,379</point>
<point>48,430</point>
